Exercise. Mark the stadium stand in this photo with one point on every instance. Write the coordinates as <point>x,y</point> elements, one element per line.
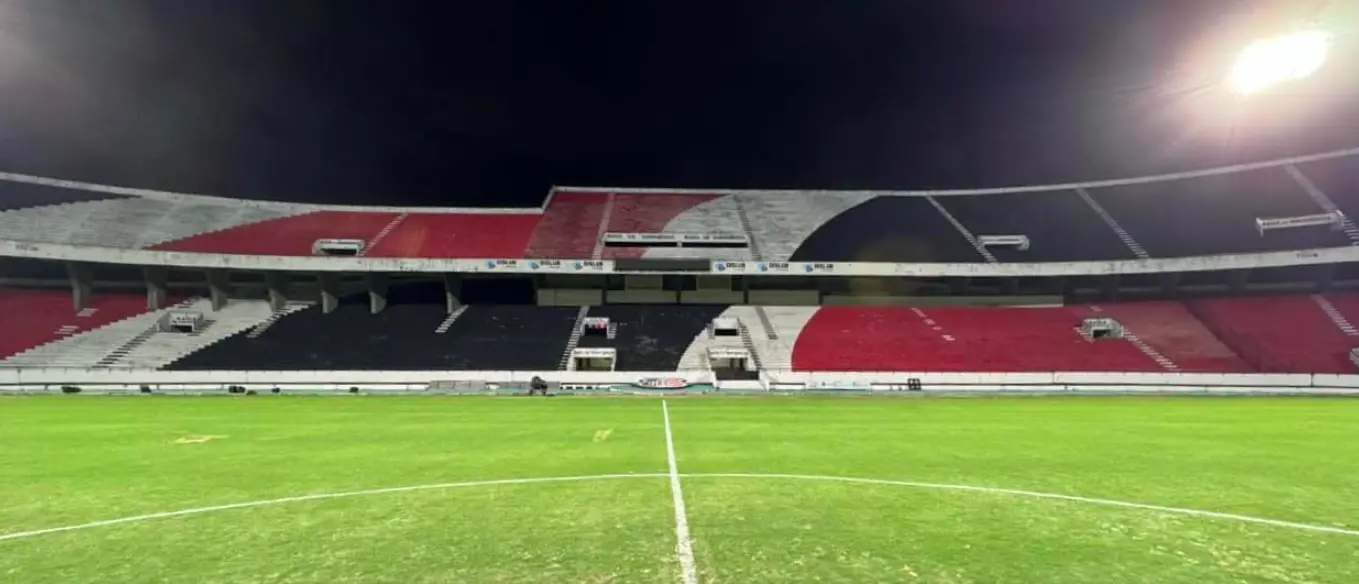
<point>890,229</point>
<point>1070,229</point>
<point>454,235</point>
<point>651,337</point>
<point>34,318</point>
<point>1216,214</point>
<point>1279,334</point>
<point>653,214</point>
<point>960,339</point>
<point>1228,335</point>
<point>1212,213</point>
<point>17,195</point>
<point>128,222</point>
<point>570,227</point>
<point>1171,330</point>
<point>402,337</point>
<point>286,236</point>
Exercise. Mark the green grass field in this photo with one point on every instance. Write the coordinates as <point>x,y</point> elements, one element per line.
<point>76,461</point>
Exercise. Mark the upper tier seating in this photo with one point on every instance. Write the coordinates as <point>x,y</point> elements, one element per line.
<point>1061,226</point>
<point>286,236</point>
<point>1289,334</point>
<point>455,235</point>
<point>570,228</point>
<point>129,223</point>
<point>1216,214</point>
<point>32,318</point>
<point>959,339</point>
<point>1212,214</point>
<point>17,195</point>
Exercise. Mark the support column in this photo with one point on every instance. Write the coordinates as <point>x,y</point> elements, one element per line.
<point>1239,278</point>
<point>377,292</point>
<point>1169,282</point>
<point>155,287</point>
<point>219,288</point>
<point>1325,277</point>
<point>452,292</point>
<point>1109,287</point>
<point>82,285</point>
<point>330,292</point>
<point>959,286</point>
<point>277,284</point>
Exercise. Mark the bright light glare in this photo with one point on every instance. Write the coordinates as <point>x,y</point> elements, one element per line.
<point>1267,63</point>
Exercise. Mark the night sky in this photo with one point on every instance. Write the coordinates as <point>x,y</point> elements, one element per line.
<point>457,102</point>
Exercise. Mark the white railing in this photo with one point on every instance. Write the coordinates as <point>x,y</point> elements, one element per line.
<point>12,380</point>
<point>187,260</point>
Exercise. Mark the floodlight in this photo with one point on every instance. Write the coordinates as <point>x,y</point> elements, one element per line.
<point>1270,62</point>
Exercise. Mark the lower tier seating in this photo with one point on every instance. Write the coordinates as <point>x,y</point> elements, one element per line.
<point>402,337</point>
<point>959,339</point>
<point>1170,329</point>
<point>1279,334</point>
<point>652,338</point>
<point>32,318</point>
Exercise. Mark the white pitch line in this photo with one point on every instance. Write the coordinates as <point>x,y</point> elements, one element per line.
<point>320,497</point>
<point>1049,496</point>
<point>852,480</point>
<point>684,545</point>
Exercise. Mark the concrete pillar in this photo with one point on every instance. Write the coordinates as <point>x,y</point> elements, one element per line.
<point>1109,287</point>
<point>155,287</point>
<point>1238,279</point>
<point>277,284</point>
<point>1325,277</point>
<point>330,292</point>
<point>1169,281</point>
<point>219,288</point>
<point>377,292</point>
<point>82,285</point>
<point>452,292</point>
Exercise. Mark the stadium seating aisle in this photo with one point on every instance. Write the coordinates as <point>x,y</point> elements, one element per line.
<point>1347,305</point>
<point>651,214</point>
<point>33,318</point>
<point>569,227</point>
<point>1174,332</point>
<point>163,348</point>
<point>449,235</point>
<point>288,236</point>
<point>958,339</point>
<point>652,337</point>
<point>1289,334</point>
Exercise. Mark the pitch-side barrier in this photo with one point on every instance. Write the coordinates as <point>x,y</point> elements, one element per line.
<point>478,382</point>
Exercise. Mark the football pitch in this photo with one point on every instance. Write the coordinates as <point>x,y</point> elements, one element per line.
<point>589,490</point>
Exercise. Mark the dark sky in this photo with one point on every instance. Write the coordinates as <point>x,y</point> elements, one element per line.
<point>479,103</point>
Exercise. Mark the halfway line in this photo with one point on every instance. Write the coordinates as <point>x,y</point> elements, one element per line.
<point>684,545</point>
